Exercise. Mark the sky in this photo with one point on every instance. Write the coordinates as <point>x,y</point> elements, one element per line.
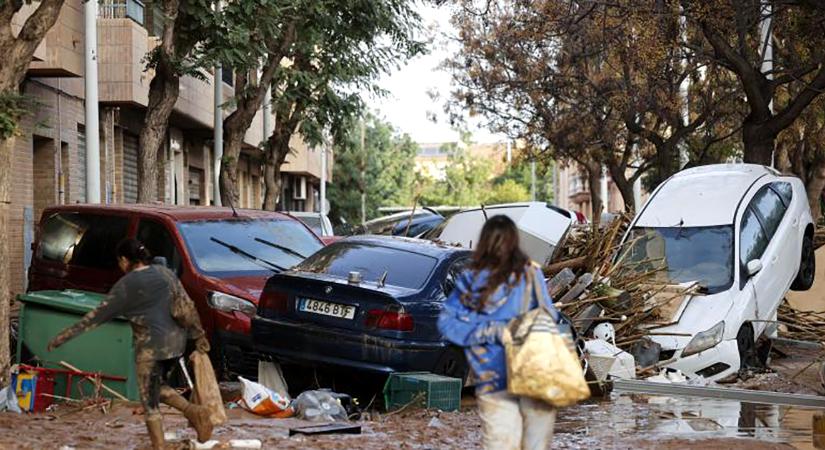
<point>408,107</point>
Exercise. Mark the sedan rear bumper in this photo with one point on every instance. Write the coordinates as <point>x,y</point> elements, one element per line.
<point>312,345</point>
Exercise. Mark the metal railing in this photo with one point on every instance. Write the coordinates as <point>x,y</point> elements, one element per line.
<point>121,9</point>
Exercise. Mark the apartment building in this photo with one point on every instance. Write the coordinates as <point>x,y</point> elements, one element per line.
<point>433,158</point>
<point>49,158</point>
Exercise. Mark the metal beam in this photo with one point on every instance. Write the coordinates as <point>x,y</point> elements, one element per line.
<point>742,395</point>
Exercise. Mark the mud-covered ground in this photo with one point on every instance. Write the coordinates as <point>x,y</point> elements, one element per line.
<point>618,422</point>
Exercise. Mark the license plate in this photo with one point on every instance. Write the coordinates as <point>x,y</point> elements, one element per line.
<point>326,308</point>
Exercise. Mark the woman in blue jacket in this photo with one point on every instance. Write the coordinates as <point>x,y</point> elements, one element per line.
<point>486,297</point>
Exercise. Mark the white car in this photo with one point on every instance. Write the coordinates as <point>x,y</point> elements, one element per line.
<point>542,227</point>
<point>744,233</point>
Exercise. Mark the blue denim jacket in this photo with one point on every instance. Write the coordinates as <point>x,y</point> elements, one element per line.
<point>479,332</point>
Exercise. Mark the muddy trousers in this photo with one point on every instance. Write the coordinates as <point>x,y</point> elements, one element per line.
<point>151,380</point>
<point>515,423</point>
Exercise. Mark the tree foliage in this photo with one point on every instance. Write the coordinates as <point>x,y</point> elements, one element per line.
<point>317,56</point>
<point>642,89</point>
<point>388,162</point>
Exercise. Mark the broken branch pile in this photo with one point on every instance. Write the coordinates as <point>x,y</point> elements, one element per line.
<point>801,325</point>
<point>594,281</point>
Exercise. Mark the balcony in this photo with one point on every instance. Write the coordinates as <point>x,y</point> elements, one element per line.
<point>306,161</point>
<point>121,9</point>
<point>61,52</point>
<point>122,45</point>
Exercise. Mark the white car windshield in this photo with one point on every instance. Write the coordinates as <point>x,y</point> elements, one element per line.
<point>684,254</point>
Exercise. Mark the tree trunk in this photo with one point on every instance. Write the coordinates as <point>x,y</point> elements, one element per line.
<point>594,181</point>
<point>814,186</point>
<point>272,183</point>
<point>758,144</point>
<point>6,148</point>
<point>232,142</point>
<point>163,94</point>
<point>278,145</point>
<point>624,185</point>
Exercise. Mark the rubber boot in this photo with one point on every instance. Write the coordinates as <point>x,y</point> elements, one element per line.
<point>197,415</point>
<point>155,427</point>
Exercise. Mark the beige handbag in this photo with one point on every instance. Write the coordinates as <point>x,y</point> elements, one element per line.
<point>541,362</point>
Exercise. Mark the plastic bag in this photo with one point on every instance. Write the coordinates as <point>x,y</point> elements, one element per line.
<point>207,392</point>
<point>319,406</point>
<point>263,401</point>
<point>8,400</point>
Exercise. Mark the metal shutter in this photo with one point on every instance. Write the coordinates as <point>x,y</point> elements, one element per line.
<point>130,168</point>
<point>80,185</point>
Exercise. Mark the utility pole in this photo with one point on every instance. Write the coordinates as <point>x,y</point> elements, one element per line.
<point>324,178</point>
<point>92,113</point>
<point>509,152</point>
<point>217,146</point>
<point>363,174</point>
<point>533,179</point>
<point>217,127</point>
<point>766,34</point>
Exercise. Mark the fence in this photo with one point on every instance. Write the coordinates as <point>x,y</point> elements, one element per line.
<point>121,9</point>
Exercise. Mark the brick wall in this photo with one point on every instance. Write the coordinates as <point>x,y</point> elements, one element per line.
<point>35,182</point>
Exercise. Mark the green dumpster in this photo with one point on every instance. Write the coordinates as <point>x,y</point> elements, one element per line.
<point>106,349</point>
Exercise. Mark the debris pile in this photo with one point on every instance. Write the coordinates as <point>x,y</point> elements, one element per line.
<point>593,282</point>
<point>801,325</point>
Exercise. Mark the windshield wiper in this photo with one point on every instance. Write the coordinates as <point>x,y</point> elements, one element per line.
<point>261,262</point>
<point>280,247</point>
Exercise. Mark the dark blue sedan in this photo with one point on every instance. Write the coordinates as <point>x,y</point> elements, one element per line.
<point>365,302</point>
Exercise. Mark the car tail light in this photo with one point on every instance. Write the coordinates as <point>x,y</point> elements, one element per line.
<point>389,320</point>
<point>274,301</point>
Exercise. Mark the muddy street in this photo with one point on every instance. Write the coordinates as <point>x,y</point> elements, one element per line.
<point>622,422</point>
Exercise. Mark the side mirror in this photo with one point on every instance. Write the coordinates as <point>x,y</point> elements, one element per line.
<point>754,266</point>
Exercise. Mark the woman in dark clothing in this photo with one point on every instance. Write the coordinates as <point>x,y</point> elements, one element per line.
<point>162,317</point>
<point>485,299</point>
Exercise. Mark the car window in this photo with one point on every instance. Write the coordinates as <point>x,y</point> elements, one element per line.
<point>770,208</point>
<point>86,240</point>
<point>672,255</point>
<point>240,247</point>
<point>453,273</point>
<point>403,268</point>
<point>752,238</point>
<point>159,242</point>
<point>785,191</point>
<point>313,223</point>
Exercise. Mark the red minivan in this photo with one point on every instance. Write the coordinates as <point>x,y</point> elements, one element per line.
<point>223,258</point>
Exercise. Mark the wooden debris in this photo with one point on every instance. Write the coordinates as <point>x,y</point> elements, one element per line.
<point>801,325</point>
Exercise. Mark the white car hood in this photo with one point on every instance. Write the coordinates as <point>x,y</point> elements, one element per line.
<point>699,313</point>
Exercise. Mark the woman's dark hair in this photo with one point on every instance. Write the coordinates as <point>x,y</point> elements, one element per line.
<point>498,251</point>
<point>134,251</point>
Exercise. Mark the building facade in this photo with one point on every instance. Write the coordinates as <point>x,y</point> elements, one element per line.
<point>573,192</point>
<point>49,158</point>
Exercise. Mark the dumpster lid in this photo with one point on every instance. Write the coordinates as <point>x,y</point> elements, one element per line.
<point>69,300</point>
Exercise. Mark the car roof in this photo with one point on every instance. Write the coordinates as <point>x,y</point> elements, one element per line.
<point>701,196</point>
<point>400,215</point>
<point>176,213</point>
<point>421,246</point>
<point>302,214</point>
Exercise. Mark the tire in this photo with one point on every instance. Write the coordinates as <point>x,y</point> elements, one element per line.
<point>807,265</point>
<point>453,363</point>
<point>746,343</point>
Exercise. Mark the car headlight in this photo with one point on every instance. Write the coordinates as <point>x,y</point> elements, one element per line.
<point>705,340</point>
<point>230,303</point>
